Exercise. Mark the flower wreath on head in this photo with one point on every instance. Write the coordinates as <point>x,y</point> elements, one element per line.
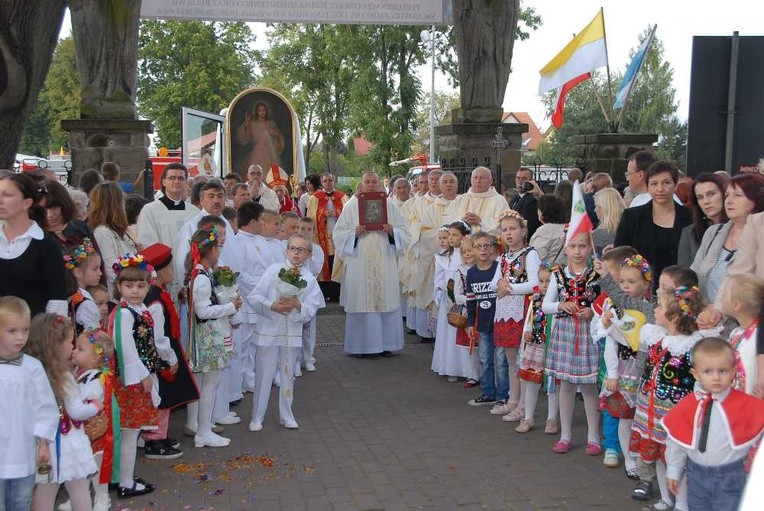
<point>640,263</point>
<point>213,237</point>
<point>92,335</point>
<point>136,261</point>
<point>683,295</point>
<point>443,228</point>
<point>511,213</point>
<point>79,254</point>
<point>466,226</point>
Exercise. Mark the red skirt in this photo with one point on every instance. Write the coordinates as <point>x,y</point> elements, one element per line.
<point>507,334</point>
<point>647,450</point>
<point>136,408</point>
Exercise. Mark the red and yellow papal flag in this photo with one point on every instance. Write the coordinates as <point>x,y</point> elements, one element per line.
<point>574,64</point>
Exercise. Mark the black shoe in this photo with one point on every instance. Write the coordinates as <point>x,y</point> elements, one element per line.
<point>482,401</point>
<point>175,444</point>
<point>642,491</point>
<point>386,354</point>
<point>236,402</point>
<point>128,493</point>
<point>159,450</point>
<point>426,340</point>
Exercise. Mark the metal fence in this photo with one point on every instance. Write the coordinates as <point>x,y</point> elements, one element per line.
<point>462,168</point>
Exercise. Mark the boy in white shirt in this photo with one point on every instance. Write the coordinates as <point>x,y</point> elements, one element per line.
<point>286,297</point>
<point>314,265</point>
<point>258,229</point>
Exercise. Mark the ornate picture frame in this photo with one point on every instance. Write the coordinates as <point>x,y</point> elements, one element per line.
<point>372,210</point>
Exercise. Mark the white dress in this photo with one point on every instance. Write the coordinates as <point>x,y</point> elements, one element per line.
<point>70,455</point>
<point>448,358</point>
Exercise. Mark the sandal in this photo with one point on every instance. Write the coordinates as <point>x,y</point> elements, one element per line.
<point>518,413</point>
<point>524,426</point>
<point>551,427</point>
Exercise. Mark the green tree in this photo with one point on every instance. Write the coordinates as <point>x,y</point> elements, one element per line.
<point>651,108</point>
<point>444,103</point>
<point>195,64</point>
<point>59,99</point>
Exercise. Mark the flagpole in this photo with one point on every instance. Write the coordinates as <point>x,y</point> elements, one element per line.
<point>631,87</point>
<point>609,85</point>
<point>599,100</point>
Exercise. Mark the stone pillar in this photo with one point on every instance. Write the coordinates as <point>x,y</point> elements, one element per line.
<point>94,141</point>
<point>477,141</point>
<point>609,152</point>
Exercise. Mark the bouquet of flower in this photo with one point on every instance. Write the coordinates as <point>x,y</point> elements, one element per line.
<point>225,283</point>
<point>290,282</point>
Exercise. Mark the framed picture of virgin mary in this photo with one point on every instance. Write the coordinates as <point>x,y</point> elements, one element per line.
<point>372,210</point>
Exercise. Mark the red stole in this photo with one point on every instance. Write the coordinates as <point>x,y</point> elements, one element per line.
<point>321,230</point>
<point>742,414</point>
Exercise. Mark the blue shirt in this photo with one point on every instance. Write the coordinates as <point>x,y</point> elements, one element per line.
<point>481,301</point>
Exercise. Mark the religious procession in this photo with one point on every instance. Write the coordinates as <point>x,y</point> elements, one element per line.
<point>153,305</point>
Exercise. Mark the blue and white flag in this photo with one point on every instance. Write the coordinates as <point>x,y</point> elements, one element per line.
<point>633,70</point>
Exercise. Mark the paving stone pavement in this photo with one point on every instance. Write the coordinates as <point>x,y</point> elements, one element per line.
<point>381,434</point>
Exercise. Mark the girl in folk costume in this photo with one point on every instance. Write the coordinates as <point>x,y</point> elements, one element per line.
<point>207,345</point>
<point>538,327</point>
<point>83,267</point>
<point>666,379</point>
<point>572,358</point>
<point>448,358</point>
<point>623,366</point>
<point>516,276</point>
<point>138,362</point>
<point>176,385</point>
<point>71,458</point>
<point>286,298</point>
<point>92,356</point>
<point>741,296</point>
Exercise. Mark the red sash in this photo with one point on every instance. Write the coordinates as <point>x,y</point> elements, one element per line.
<point>321,230</point>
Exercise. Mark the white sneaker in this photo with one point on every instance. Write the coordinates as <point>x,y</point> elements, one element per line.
<point>228,419</point>
<point>255,426</point>
<point>211,440</point>
<point>298,373</point>
<point>290,424</point>
<point>65,506</point>
<point>310,368</point>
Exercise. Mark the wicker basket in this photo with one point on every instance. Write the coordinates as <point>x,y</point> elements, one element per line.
<point>456,318</point>
<point>96,427</point>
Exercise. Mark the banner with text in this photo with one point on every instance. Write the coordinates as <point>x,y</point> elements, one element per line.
<point>349,12</point>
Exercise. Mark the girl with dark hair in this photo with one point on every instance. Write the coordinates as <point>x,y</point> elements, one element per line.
<point>743,197</point>
<point>548,240</point>
<point>31,264</point>
<point>707,210</point>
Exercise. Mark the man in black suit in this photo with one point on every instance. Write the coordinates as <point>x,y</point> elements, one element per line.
<point>525,200</point>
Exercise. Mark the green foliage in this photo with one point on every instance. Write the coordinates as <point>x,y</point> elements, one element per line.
<point>444,103</point>
<point>59,99</point>
<point>196,64</point>
<point>651,108</point>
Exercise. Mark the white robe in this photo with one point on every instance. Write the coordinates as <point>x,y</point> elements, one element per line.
<point>448,358</point>
<point>373,303</point>
<point>487,205</point>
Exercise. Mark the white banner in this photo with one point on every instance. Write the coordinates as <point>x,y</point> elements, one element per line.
<point>349,12</point>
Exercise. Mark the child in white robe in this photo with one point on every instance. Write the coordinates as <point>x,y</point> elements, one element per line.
<point>278,332</point>
<point>314,265</point>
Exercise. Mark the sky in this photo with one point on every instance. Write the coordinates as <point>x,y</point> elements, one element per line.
<point>678,21</point>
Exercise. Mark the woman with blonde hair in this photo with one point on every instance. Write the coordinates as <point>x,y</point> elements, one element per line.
<point>609,206</point>
<point>108,220</point>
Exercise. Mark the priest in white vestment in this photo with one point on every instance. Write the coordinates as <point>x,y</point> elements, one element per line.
<point>482,206</point>
<point>401,194</point>
<point>372,300</point>
<point>261,194</point>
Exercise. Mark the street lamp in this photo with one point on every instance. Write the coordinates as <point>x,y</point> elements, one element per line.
<point>428,36</point>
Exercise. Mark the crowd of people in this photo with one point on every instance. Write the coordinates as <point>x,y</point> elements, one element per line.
<point>115,310</point>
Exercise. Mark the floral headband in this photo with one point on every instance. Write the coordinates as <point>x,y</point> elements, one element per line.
<point>511,213</point>
<point>92,335</point>
<point>683,295</point>
<point>136,261</point>
<point>79,254</point>
<point>196,246</point>
<point>551,268</point>
<point>639,262</point>
<point>443,228</point>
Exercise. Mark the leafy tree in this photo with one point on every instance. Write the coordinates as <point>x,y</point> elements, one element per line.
<point>444,103</point>
<point>196,64</point>
<point>59,99</point>
<point>651,109</point>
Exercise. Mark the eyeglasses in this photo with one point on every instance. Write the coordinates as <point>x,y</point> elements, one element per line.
<point>486,246</point>
<point>297,250</point>
<point>175,178</point>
